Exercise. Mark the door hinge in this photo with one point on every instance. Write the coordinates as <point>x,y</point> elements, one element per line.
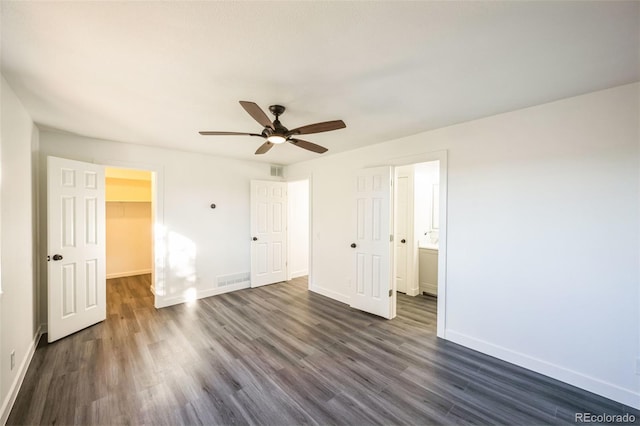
<point>390,292</point>
<point>391,237</point>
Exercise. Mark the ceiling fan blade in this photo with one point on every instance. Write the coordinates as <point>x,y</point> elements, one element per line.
<point>325,126</point>
<point>257,113</point>
<point>228,134</point>
<point>308,145</point>
<point>264,147</point>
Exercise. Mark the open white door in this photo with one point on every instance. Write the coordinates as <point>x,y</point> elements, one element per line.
<point>401,232</point>
<point>269,232</point>
<point>76,246</point>
<point>372,271</point>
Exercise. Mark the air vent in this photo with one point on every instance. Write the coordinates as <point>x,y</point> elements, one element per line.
<point>276,171</point>
<point>225,280</point>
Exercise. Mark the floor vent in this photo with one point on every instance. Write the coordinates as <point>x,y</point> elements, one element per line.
<point>225,280</point>
<point>276,171</point>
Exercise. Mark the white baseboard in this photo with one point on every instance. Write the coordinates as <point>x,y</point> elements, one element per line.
<point>163,302</point>
<point>296,274</point>
<point>129,273</point>
<point>575,378</point>
<point>330,293</point>
<point>10,399</point>
<point>413,292</point>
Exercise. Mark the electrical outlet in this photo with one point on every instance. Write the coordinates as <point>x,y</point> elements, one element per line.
<point>13,359</point>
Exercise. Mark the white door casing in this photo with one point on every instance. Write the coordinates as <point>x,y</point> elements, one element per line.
<point>268,232</point>
<point>372,246</point>
<point>76,246</point>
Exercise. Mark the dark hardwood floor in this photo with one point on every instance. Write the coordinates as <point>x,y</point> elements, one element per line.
<point>280,355</point>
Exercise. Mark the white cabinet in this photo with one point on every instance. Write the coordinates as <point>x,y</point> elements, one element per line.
<point>428,264</point>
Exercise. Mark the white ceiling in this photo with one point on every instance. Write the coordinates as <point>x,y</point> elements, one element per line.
<point>156,73</point>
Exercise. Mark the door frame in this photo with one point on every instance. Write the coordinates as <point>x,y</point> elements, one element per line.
<point>157,219</point>
<point>440,156</point>
<point>156,245</point>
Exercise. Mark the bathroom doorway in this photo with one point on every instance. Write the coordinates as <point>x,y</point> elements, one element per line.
<point>416,240</point>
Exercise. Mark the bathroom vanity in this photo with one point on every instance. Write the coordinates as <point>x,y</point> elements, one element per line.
<point>428,269</point>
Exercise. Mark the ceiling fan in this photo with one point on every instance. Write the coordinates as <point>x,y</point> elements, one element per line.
<point>275,133</point>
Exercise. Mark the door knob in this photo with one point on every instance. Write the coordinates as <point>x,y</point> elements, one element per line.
<point>57,257</point>
<point>353,245</point>
<point>403,241</point>
<point>255,238</point>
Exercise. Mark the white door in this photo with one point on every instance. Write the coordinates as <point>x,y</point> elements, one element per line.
<point>76,246</point>
<point>372,246</point>
<point>268,232</point>
<point>401,234</point>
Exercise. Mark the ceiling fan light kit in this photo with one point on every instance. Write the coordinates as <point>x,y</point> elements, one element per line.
<point>275,133</point>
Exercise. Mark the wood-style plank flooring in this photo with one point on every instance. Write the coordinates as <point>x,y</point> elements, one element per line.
<point>280,355</point>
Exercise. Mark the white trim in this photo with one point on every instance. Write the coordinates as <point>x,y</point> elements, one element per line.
<point>296,274</point>
<point>10,399</point>
<point>163,302</point>
<point>575,378</point>
<point>130,274</point>
<point>310,263</point>
<point>330,294</point>
<point>157,216</point>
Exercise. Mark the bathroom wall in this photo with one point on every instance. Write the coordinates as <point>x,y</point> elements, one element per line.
<point>426,176</point>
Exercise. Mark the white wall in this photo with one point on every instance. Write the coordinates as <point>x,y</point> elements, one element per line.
<point>298,228</point>
<point>426,175</point>
<point>18,313</point>
<point>129,238</point>
<point>129,222</point>
<point>543,234</point>
<point>195,243</point>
